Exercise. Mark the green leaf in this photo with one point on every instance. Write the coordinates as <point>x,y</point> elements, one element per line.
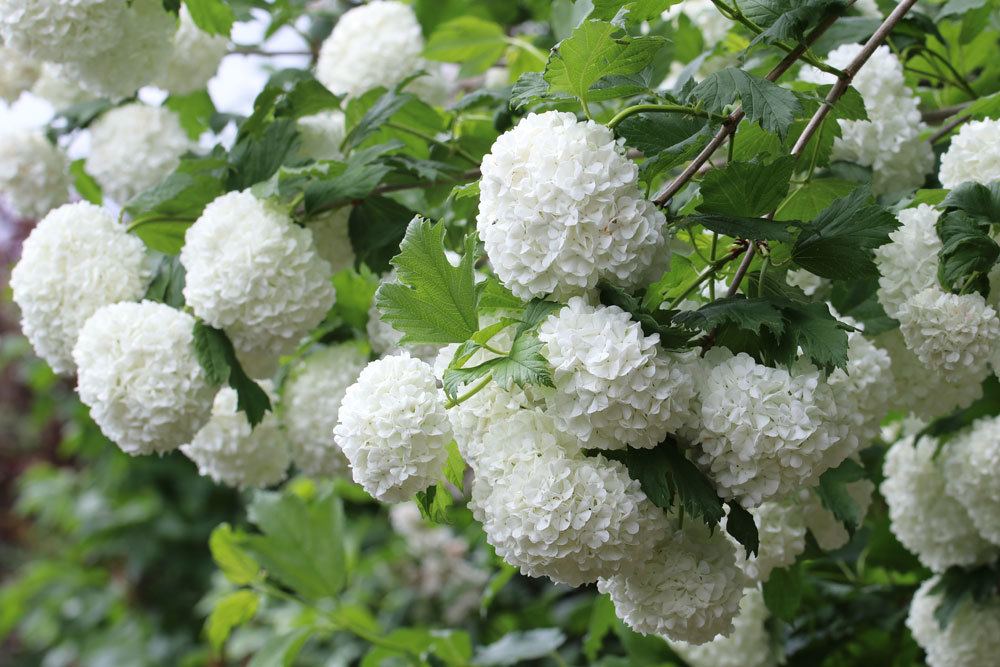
<point>746,189</point>
<point>433,302</point>
<point>376,116</point>
<point>967,253</point>
<point>84,183</point>
<point>376,227</point>
<point>334,183</point>
<point>230,612</point>
<point>742,527</point>
<point>744,313</point>
<point>228,553</point>
<point>524,365</point>
<point>786,19</point>
<point>832,492</point>
<point>765,103</point>
<point>840,242</point>
<point>959,585</point>
<point>216,355</point>
<point>783,592</point>
<point>637,10</point>
<point>807,201</point>
<point>213,16</point>
<point>454,467</point>
<point>281,650</point>
<point>183,194</point>
<point>811,327</point>
<point>596,50</point>
<point>518,647</point>
<point>454,647</point>
<point>355,291</point>
<point>433,503</point>
<point>602,621</point>
<point>529,87</point>
<point>976,199</point>
<point>302,544</point>
<point>255,159</point>
<point>472,41</point>
<point>194,110</point>
<point>497,297</point>
<point>757,229</point>
<point>167,285</point>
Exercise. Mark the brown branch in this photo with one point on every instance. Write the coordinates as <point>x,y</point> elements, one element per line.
<point>947,128</point>
<point>934,116</point>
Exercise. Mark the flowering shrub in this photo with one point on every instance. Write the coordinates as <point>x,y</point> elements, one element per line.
<point>692,301</point>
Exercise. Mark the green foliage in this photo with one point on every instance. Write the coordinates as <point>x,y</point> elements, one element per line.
<point>216,355</point>
<point>167,285</point>
<point>738,311</point>
<point>233,610</point>
<point>786,19</point>
<point>472,41</point>
<point>967,253</point>
<point>958,586</point>
<point>85,183</point>
<point>213,16</point>
<point>832,492</point>
<point>783,592</point>
<point>765,103</point>
<point>517,647</point>
<point>746,189</point>
<point>376,228</point>
<point>945,428</point>
<point>355,291</point>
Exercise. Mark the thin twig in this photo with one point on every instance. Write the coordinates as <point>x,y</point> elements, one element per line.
<point>245,50</point>
<point>934,116</point>
<point>947,128</point>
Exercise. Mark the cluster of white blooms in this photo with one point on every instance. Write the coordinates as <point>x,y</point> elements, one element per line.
<point>195,57</point>
<point>971,638</point>
<point>808,282</point>
<point>749,645</point>
<point>889,141</point>
<point>57,89</point>
<point>972,475</point>
<point>551,511</point>
<point>18,73</point>
<point>472,418</point>
<point>924,517</point>
<point>60,30</point>
<point>393,428</point>
<point>614,386</point>
<point>763,431</point>
<point>688,588</point>
<point>560,208</point>
<point>134,147</point>
<point>76,260</point>
<point>952,334</point>
<point>782,531</point>
<point>138,373</point>
<point>827,529</point>
<point>310,405</point>
<point>145,32</point>
<point>333,242</point>
<point>705,16</point>
<point>34,173</point>
<point>377,44</point>
<point>321,136</point>
<point>230,451</point>
<point>908,264</point>
<point>974,154</point>
<point>256,274</point>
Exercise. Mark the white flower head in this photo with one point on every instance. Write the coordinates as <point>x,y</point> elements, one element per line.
<point>134,147</point>
<point>705,16</point>
<point>229,451</point>
<point>614,386</point>
<point>333,242</point>
<point>34,173</point>
<point>254,273</point>
<point>953,334</point>
<point>18,73</point>
<point>971,638</point>
<point>764,431</point>
<point>57,89</point>
<point>393,428</point>
<point>144,31</point>
<point>924,517</point>
<point>76,260</point>
<point>974,154</point>
<point>59,30</point>
<point>782,531</point>
<point>688,588</point>
<point>889,141</point>
<point>972,474</point>
<point>908,263</point>
<point>560,209</point>
<point>138,373</point>
<point>194,59</point>
<point>473,417</point>
<point>808,282</point>
<point>749,645</point>
<point>310,405</point>
<point>321,135</point>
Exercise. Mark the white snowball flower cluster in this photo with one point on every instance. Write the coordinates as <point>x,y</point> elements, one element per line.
<point>76,260</point>
<point>551,511</point>
<point>614,386</point>
<point>560,209</point>
<point>310,405</point>
<point>705,16</point>
<point>57,89</point>
<point>18,73</point>
<point>194,59</point>
<point>829,531</point>
<point>34,174</point>
<point>953,334</point>
<point>974,154</point>
<point>688,588</point>
<point>145,32</point>
<point>920,390</point>
<point>60,30</point>
<point>393,428</point>
<point>971,638</point>
<point>229,451</point>
<point>924,517</point>
<point>749,645</point>
<point>134,147</point>
<point>333,242</point>
<point>377,44</point>
<point>808,282</point>
<point>471,419</point>
<point>321,136</point>
<point>254,273</point>
<point>763,431</point>
<point>889,141</point>
<point>782,531</point>
<point>972,475</point>
<point>908,263</point>
<point>138,373</point>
